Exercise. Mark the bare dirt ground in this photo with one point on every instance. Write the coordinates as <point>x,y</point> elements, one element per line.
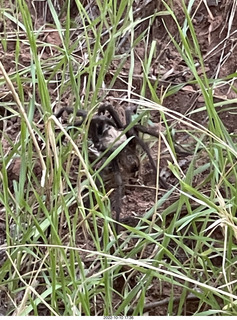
<point>211,25</point>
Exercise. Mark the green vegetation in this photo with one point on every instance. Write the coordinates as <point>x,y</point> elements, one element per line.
<point>48,267</point>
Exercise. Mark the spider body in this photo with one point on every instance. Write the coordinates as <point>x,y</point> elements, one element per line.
<point>106,131</point>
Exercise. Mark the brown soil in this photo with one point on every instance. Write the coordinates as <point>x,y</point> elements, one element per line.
<point>218,47</point>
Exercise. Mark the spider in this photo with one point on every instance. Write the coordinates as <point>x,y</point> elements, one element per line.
<point>106,132</point>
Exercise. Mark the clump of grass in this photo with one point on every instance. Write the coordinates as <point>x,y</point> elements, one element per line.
<point>60,258</point>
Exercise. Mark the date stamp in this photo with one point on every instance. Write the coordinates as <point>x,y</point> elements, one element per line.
<point>118,317</point>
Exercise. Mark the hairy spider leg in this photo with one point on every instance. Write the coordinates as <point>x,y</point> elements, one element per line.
<point>62,110</point>
<point>134,132</point>
<point>113,113</point>
<point>79,113</point>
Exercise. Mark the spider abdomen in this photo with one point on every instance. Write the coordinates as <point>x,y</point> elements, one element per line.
<point>129,161</point>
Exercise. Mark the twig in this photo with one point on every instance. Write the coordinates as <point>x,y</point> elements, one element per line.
<point>155,304</point>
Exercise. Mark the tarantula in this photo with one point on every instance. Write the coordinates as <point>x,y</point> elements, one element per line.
<point>106,132</point>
